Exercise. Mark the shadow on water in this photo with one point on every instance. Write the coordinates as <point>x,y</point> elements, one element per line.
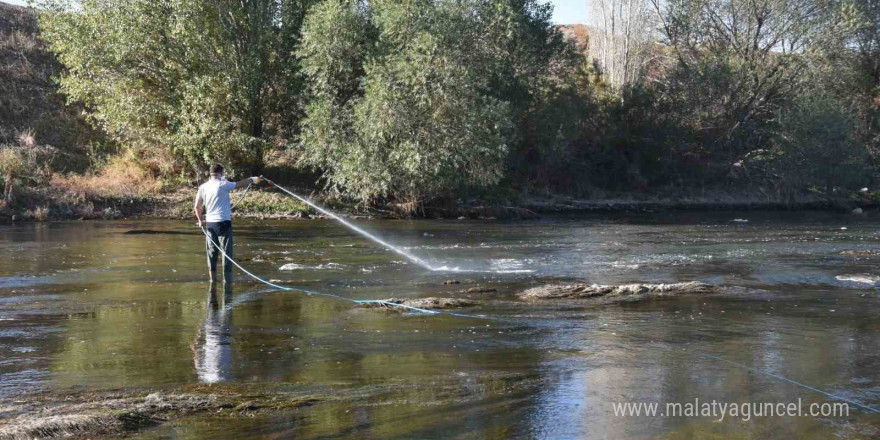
<point>87,309</point>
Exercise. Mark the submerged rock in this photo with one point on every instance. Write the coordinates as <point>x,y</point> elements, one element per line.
<point>860,252</point>
<point>481,290</point>
<point>422,303</point>
<point>580,290</point>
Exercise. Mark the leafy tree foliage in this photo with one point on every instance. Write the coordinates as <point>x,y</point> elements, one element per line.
<point>420,100</point>
<point>195,81</point>
<point>736,63</point>
<point>817,145</point>
<point>414,99</point>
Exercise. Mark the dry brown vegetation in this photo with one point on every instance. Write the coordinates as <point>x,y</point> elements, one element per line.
<point>120,178</point>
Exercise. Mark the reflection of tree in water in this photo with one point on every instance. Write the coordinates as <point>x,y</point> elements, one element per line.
<point>212,349</point>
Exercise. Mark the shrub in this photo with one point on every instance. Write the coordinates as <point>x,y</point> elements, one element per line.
<point>27,139</point>
<point>40,213</point>
<point>261,202</point>
<point>817,146</point>
<point>24,163</point>
<point>121,178</point>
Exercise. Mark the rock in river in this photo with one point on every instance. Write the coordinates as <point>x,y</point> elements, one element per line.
<point>479,289</point>
<point>580,290</point>
<point>424,303</point>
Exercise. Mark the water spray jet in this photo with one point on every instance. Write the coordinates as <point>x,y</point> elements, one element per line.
<point>372,237</point>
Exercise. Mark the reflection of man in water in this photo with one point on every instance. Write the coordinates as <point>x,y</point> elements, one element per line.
<point>212,348</point>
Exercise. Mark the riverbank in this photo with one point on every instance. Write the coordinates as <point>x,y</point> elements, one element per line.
<point>59,203</point>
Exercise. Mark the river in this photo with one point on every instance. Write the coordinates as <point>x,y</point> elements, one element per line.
<point>91,307</point>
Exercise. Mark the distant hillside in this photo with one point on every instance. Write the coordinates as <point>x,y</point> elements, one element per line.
<point>29,99</point>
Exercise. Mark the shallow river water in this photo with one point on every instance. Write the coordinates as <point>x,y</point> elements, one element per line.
<point>86,306</point>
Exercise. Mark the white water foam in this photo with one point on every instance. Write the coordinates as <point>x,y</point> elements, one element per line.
<point>620,264</point>
<point>860,279</point>
<point>449,269</point>
<point>498,271</point>
<point>508,265</point>
<point>325,266</point>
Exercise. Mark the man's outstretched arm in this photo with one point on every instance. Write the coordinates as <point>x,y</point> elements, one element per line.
<point>250,180</point>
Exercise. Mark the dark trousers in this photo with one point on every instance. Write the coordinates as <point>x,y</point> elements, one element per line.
<point>221,233</point>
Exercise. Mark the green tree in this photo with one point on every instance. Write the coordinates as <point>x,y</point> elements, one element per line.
<point>531,66</point>
<point>734,65</point>
<point>195,80</point>
<point>817,146</point>
<point>850,68</point>
<point>407,107</point>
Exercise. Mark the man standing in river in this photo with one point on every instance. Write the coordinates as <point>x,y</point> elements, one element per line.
<point>213,196</point>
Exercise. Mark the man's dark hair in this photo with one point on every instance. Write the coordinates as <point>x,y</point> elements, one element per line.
<point>216,169</point>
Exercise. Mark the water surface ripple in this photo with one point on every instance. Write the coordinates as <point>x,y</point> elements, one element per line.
<point>85,306</point>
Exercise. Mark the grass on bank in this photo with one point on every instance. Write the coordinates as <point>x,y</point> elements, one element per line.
<point>262,202</point>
